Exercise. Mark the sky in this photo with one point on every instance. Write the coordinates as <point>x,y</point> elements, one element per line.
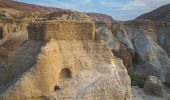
<point>118,9</point>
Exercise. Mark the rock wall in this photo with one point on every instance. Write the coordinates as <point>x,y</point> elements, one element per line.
<point>150,40</point>
<point>142,45</point>
<point>118,43</point>
<point>71,67</point>
<point>158,31</point>
<point>13,34</point>
<point>147,43</point>
<point>62,30</point>
<point>15,63</point>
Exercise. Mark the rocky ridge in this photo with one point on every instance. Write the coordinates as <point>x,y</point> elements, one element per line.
<point>11,4</point>
<point>159,14</point>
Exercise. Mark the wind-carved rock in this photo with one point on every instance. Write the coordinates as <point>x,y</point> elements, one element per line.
<point>13,33</point>
<point>72,65</point>
<point>150,40</point>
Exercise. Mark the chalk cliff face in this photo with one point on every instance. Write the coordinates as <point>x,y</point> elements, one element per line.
<point>72,64</point>
<point>142,45</point>
<point>150,40</point>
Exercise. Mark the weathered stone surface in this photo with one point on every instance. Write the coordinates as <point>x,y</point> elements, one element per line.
<point>151,57</point>
<point>71,67</point>
<point>69,55</point>
<point>154,85</point>
<point>15,63</point>
<point>107,36</point>
<point>67,15</point>
<point>115,45</point>
<point>62,30</point>
<point>162,32</point>
<point>142,45</point>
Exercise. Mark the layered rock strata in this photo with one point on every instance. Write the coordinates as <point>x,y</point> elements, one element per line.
<point>150,40</point>
<point>72,65</point>
<point>142,45</point>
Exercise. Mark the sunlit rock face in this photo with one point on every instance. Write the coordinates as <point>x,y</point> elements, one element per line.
<point>70,63</point>
<point>142,45</point>
<point>152,53</point>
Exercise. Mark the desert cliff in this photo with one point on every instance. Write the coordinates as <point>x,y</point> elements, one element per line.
<point>65,60</point>
<point>55,54</point>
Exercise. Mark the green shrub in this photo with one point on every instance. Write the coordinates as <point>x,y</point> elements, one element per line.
<point>136,80</point>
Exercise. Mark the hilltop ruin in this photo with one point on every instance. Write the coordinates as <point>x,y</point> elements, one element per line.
<point>68,62</point>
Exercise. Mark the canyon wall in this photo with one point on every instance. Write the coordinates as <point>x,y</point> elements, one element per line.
<point>142,45</point>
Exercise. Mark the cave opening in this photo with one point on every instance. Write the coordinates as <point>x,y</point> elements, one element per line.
<point>65,73</point>
<point>1,33</point>
<point>56,88</point>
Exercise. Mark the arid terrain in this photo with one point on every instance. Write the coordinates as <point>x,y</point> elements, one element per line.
<point>56,54</point>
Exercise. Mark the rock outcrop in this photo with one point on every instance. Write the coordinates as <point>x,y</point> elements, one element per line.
<point>61,30</point>
<point>14,19</point>
<point>154,85</point>
<point>151,53</point>
<point>142,45</point>
<point>72,64</point>
<point>99,17</point>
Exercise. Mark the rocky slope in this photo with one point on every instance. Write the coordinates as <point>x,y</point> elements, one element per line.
<point>73,64</point>
<point>56,56</point>
<point>70,55</point>
<point>150,40</point>
<point>160,14</point>
<point>142,45</point>
<point>98,16</point>
<point>26,7</point>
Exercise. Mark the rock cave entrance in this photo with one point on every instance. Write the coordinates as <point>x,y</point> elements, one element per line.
<point>1,35</point>
<point>56,88</point>
<point>65,73</point>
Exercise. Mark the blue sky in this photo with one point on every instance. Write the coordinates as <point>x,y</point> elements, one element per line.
<point>118,9</point>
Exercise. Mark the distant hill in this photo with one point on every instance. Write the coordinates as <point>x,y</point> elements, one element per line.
<point>26,7</point>
<point>159,14</point>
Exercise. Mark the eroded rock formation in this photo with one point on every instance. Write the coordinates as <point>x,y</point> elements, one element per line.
<point>72,64</point>
<point>152,56</point>
<point>48,53</point>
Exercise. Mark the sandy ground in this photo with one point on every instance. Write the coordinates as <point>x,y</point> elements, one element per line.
<point>139,94</point>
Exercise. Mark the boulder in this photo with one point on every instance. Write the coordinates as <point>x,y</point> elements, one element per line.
<point>154,85</point>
